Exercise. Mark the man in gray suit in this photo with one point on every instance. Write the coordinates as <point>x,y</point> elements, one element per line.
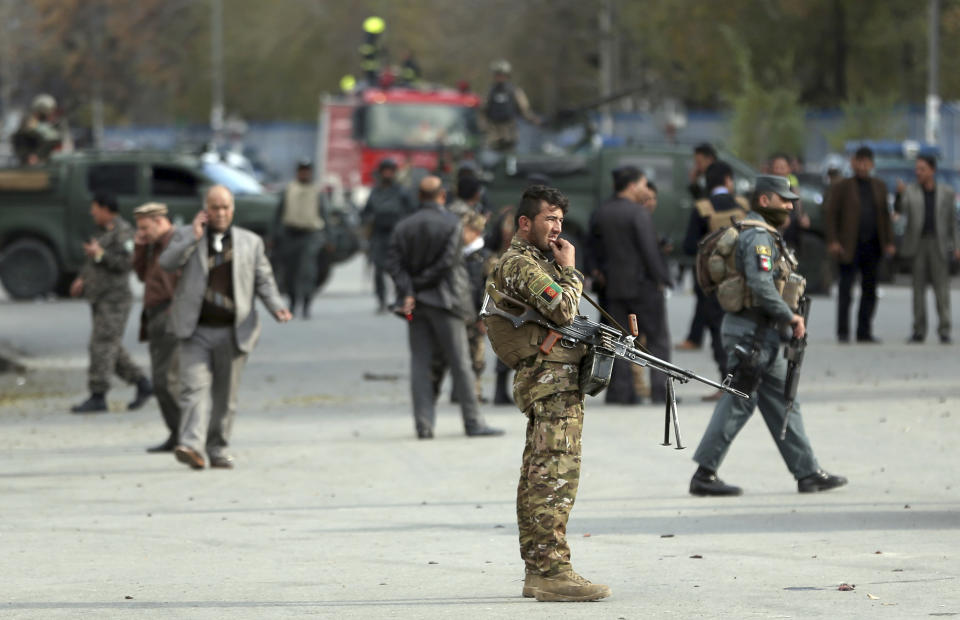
<point>222,268</point>
<point>931,236</point>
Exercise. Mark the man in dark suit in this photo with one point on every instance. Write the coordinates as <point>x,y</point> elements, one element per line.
<point>930,238</point>
<point>425,260</point>
<point>627,253</point>
<point>859,233</point>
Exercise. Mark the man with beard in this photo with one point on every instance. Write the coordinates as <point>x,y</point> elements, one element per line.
<point>546,388</point>
<point>765,265</point>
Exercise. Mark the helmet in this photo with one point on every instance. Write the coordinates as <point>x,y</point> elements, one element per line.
<point>44,104</point>
<point>500,66</point>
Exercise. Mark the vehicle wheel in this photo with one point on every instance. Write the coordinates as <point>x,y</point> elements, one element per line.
<point>28,269</point>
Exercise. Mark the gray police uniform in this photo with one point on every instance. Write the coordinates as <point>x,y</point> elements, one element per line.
<point>387,205</point>
<point>758,255</point>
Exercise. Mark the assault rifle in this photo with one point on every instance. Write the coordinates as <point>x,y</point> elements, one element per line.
<point>606,344</point>
<point>793,352</point>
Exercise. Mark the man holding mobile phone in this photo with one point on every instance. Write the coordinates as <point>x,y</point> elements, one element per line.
<point>223,268</point>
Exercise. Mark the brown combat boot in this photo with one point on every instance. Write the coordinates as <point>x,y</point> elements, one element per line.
<point>564,587</point>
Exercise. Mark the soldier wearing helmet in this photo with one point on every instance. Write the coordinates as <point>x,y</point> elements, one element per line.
<point>39,134</point>
<point>505,103</point>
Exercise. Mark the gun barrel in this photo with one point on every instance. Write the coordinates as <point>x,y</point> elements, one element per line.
<point>683,375</point>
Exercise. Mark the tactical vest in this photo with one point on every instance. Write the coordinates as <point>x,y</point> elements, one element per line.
<point>301,207</point>
<point>716,268</point>
<point>515,344</point>
<point>719,219</point>
<point>501,104</point>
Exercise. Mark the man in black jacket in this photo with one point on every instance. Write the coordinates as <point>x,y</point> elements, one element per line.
<point>627,253</point>
<point>721,209</point>
<point>425,260</point>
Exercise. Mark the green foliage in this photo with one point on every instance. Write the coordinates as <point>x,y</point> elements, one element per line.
<point>875,117</point>
<point>767,118</point>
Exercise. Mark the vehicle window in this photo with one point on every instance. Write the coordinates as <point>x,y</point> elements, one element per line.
<point>119,179</point>
<point>414,125</point>
<point>237,181</point>
<point>172,181</point>
<point>657,169</point>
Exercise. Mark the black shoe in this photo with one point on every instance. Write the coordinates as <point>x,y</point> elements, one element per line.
<point>915,339</point>
<point>946,340</point>
<point>843,338</point>
<point>97,403</point>
<point>868,340</point>
<point>305,315</point>
<point>144,392</point>
<point>166,446</point>
<point>705,482</point>
<point>820,481</point>
<point>484,431</point>
<point>425,433</point>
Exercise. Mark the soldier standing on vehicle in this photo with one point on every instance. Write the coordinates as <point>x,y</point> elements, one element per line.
<point>300,226</point>
<point>38,135</point>
<point>547,391</point>
<point>505,102</point>
<point>931,238</point>
<point>751,337</point>
<point>154,232</point>
<point>388,204</point>
<point>105,282</point>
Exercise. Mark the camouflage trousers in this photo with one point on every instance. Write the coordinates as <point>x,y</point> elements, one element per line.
<point>478,353</point>
<point>549,477</point>
<point>107,355</point>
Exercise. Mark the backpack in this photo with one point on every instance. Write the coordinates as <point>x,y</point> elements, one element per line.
<point>716,265</point>
<point>501,104</point>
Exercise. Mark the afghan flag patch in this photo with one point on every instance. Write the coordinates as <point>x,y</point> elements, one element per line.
<point>546,289</point>
<point>764,262</point>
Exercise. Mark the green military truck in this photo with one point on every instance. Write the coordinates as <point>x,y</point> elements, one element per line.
<point>586,180</point>
<point>45,210</point>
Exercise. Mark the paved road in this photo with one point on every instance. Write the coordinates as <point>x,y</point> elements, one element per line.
<point>336,511</point>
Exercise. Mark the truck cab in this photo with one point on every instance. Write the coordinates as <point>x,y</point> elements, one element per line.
<point>45,210</point>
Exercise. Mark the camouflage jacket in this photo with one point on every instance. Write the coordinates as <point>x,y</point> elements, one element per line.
<point>525,274</point>
<point>109,278</point>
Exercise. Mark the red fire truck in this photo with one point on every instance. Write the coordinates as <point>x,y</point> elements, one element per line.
<point>420,128</point>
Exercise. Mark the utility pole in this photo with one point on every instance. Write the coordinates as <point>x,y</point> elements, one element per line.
<point>932,125</point>
<point>607,64</point>
<point>96,104</point>
<point>216,67</point>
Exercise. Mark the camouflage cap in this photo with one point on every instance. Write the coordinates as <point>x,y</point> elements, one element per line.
<point>778,185</point>
<point>475,221</point>
<point>151,209</point>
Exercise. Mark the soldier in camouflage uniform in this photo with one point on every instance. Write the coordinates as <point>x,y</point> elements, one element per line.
<point>105,282</point>
<point>546,388</point>
<point>764,264</point>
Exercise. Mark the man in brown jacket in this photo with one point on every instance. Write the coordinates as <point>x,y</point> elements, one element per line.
<point>859,233</point>
<point>154,232</point>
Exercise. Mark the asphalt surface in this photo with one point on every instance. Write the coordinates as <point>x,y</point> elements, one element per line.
<point>335,510</point>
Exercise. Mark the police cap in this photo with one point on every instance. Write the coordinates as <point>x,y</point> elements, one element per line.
<point>778,185</point>
<point>386,162</point>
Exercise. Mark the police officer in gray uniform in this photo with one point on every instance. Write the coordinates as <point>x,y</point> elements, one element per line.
<point>751,338</point>
<point>388,204</point>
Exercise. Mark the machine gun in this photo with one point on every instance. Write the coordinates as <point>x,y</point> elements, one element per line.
<point>606,344</point>
<point>793,353</point>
